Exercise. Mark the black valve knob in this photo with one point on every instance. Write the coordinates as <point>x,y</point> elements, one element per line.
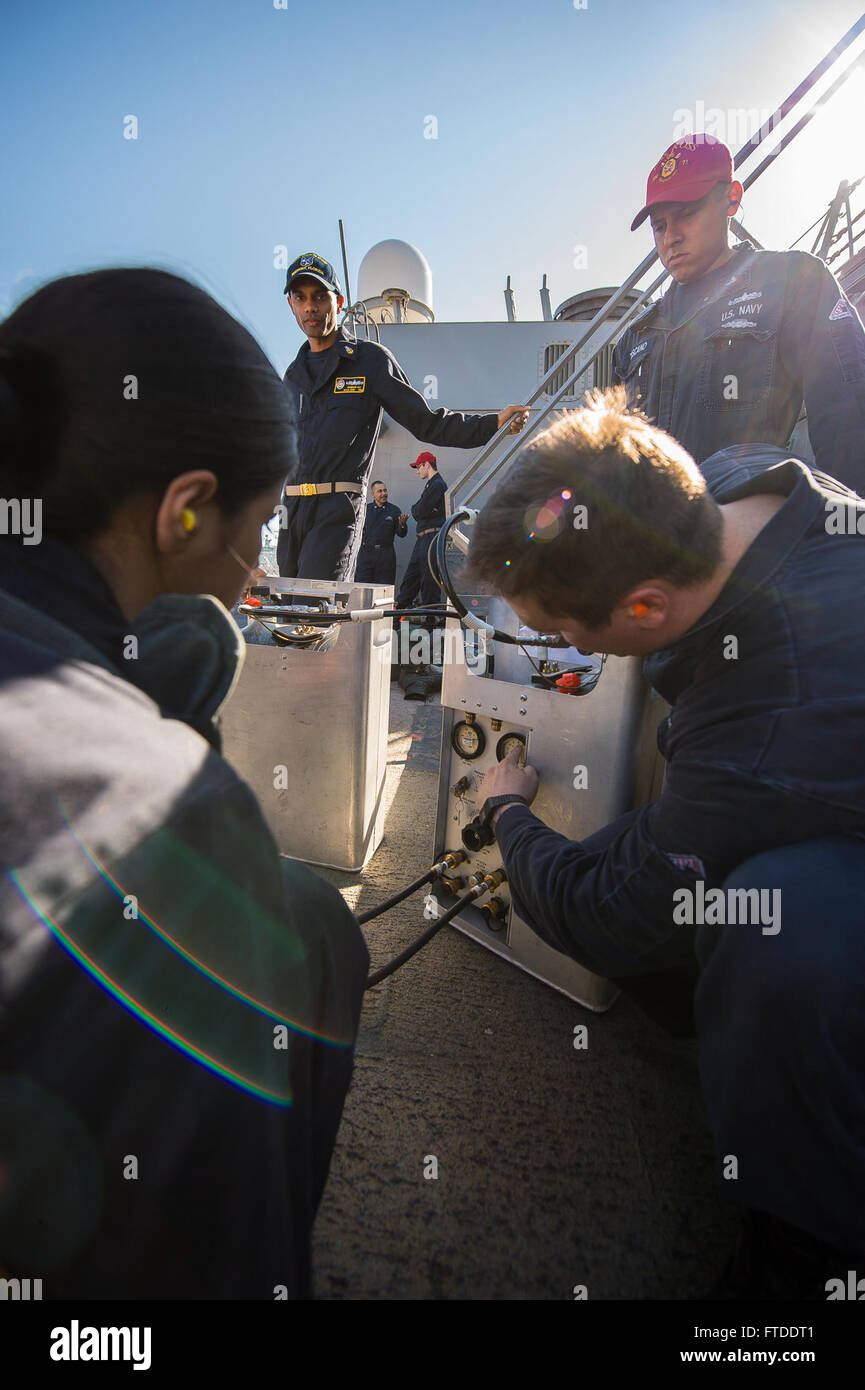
<point>478,833</point>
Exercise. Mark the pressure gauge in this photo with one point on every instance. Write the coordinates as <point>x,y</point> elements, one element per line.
<point>468,740</point>
<point>507,743</point>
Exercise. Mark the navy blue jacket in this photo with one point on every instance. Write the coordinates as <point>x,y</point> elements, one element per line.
<point>429,510</point>
<point>112,793</point>
<point>761,751</point>
<point>774,332</point>
<point>338,421</point>
<point>382,524</point>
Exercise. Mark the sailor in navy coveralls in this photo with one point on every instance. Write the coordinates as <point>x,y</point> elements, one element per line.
<point>377,561</point>
<point>743,337</point>
<point>429,514</point>
<point>730,907</point>
<point>341,386</point>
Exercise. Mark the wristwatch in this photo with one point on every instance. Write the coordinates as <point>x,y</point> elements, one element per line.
<point>492,804</point>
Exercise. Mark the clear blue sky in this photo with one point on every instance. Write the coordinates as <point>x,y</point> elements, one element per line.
<point>261,126</point>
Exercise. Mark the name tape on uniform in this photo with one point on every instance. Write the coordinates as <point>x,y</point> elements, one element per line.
<point>349,385</point>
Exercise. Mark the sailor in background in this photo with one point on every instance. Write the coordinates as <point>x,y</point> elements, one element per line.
<point>429,513</point>
<point>341,386</point>
<point>742,337</point>
<point>377,560</point>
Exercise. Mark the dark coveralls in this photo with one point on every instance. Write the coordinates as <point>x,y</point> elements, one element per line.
<point>765,788</point>
<point>338,421</point>
<point>730,360</point>
<point>429,513</point>
<point>376,562</point>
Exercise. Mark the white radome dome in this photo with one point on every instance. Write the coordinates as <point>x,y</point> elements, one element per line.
<point>396,265</point>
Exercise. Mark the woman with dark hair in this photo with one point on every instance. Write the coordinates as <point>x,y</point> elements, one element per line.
<point>178,1006</point>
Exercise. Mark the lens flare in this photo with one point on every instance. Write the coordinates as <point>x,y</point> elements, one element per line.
<point>546,520</point>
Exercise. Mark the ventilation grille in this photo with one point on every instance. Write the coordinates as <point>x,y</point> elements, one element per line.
<point>551,355</point>
<point>595,373</point>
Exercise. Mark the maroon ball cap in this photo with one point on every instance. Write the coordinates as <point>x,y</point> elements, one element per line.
<point>688,170</point>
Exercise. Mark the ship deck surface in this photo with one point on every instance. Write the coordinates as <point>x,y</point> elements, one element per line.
<point>557,1167</point>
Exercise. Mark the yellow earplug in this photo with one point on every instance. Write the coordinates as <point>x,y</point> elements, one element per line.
<point>187,518</point>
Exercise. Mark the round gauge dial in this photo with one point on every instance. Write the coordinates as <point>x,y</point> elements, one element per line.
<point>468,740</point>
<point>507,742</point>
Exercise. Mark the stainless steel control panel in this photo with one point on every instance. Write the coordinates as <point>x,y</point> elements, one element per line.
<point>596,758</point>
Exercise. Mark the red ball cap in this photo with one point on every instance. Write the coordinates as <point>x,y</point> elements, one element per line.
<point>423,458</point>
<point>688,170</point>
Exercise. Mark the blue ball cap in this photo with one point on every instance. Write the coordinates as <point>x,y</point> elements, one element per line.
<point>316,267</point>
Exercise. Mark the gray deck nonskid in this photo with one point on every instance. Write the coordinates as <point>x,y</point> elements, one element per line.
<point>557,1167</point>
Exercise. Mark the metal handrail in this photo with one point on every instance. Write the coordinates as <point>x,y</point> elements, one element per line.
<point>615,299</point>
<point>554,403</point>
<point>835,233</point>
<point>828,232</point>
<point>357,311</point>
